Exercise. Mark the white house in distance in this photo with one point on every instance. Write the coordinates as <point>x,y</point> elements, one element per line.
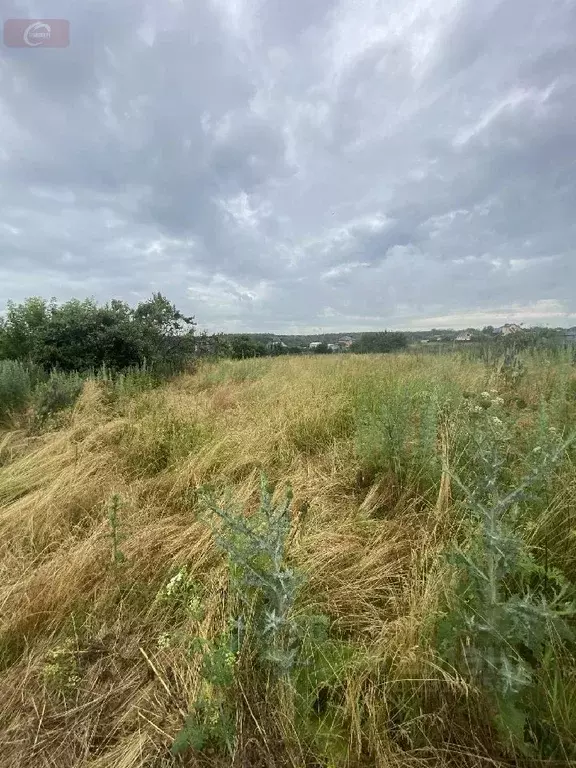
<point>275,344</point>
<point>332,347</point>
<point>464,336</point>
<point>346,341</point>
<point>508,329</point>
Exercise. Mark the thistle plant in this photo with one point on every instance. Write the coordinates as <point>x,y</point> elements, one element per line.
<point>269,648</point>
<point>261,580</point>
<point>511,368</point>
<point>263,590</point>
<point>508,614</point>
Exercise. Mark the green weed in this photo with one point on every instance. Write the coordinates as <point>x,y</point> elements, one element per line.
<point>15,388</point>
<point>510,613</point>
<point>59,392</point>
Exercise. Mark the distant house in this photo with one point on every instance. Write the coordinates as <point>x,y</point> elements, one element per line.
<point>346,341</point>
<point>314,344</point>
<point>275,344</point>
<point>508,329</point>
<point>334,347</point>
<point>464,337</point>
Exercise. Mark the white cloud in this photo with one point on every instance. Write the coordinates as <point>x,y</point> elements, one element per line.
<point>246,212</point>
<point>533,97</point>
<point>543,312</point>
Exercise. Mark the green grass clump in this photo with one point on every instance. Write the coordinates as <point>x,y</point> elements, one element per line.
<point>15,388</point>
<point>59,392</point>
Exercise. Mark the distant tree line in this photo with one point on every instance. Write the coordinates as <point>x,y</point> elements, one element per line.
<point>370,343</point>
<point>242,346</point>
<point>82,335</point>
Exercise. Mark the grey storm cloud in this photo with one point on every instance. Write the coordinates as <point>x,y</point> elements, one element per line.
<point>296,166</point>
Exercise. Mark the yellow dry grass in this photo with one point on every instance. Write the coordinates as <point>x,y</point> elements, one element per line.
<point>370,557</point>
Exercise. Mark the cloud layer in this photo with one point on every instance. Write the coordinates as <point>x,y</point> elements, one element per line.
<point>297,166</point>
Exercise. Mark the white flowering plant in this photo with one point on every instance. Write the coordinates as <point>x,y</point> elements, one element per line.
<point>61,669</point>
<point>184,594</point>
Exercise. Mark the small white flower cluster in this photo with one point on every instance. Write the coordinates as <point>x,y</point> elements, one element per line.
<point>61,668</point>
<point>164,640</point>
<point>493,397</point>
<point>496,421</point>
<point>181,589</point>
<point>176,583</point>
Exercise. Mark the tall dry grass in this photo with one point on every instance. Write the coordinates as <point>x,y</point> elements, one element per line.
<point>367,444</point>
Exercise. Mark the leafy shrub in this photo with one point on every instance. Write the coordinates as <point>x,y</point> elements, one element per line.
<point>15,387</point>
<point>59,392</point>
<point>36,373</point>
<point>244,347</point>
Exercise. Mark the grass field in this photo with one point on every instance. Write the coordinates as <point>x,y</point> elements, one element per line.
<point>408,603</point>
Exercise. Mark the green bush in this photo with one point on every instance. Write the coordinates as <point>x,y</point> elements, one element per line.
<point>379,341</point>
<point>59,392</point>
<point>82,335</point>
<point>14,387</point>
<point>244,347</point>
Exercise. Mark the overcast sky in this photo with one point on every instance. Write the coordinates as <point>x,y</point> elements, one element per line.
<point>296,165</point>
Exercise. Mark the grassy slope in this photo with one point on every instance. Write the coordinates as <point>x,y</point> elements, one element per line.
<point>85,681</point>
